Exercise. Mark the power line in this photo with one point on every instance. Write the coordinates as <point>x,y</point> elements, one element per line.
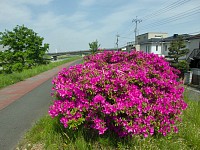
<point>174,18</point>
<point>125,43</point>
<point>130,25</point>
<point>166,9</point>
<point>128,33</point>
<point>168,21</point>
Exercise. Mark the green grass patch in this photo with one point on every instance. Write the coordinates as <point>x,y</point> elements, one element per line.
<point>63,56</point>
<point>48,134</point>
<point>8,79</point>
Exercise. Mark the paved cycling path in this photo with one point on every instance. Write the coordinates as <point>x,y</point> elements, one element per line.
<point>24,103</point>
<point>15,91</point>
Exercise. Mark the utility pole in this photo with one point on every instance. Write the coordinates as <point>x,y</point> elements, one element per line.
<point>117,40</point>
<point>136,22</point>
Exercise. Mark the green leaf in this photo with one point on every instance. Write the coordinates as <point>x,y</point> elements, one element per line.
<point>24,49</point>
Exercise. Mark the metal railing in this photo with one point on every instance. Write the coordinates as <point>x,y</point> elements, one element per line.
<point>194,53</point>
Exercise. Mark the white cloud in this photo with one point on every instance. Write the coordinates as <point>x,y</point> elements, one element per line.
<point>48,21</point>
<point>77,16</point>
<point>87,20</point>
<point>79,20</point>
<point>115,21</point>
<point>11,12</point>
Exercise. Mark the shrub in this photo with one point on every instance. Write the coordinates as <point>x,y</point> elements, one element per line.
<point>126,93</point>
<point>18,67</point>
<point>183,66</point>
<point>94,46</point>
<point>23,49</point>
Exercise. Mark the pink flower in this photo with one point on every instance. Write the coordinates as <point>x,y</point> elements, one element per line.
<point>102,130</point>
<point>127,93</point>
<point>99,99</point>
<point>175,129</point>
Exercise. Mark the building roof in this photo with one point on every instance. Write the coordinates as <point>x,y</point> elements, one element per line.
<point>197,36</point>
<point>153,33</point>
<point>171,38</point>
<point>152,40</point>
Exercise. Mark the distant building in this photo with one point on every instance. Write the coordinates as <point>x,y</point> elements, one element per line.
<point>166,42</point>
<point>193,57</point>
<point>152,42</point>
<point>150,35</point>
<point>131,46</point>
<point>193,42</point>
<point>158,43</point>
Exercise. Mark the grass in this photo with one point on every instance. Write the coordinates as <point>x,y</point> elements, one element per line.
<point>8,79</point>
<point>48,134</point>
<point>63,56</point>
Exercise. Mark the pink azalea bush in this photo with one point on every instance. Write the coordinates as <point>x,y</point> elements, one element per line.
<point>126,93</point>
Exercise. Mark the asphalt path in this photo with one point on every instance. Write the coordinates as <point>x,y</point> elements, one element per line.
<point>21,115</point>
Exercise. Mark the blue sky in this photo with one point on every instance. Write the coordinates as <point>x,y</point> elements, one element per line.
<point>69,25</point>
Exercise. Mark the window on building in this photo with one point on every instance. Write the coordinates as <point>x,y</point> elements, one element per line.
<point>146,49</point>
<point>165,47</point>
<point>156,47</point>
<point>158,35</point>
<point>149,49</point>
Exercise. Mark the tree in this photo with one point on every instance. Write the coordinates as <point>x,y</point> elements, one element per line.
<point>94,46</point>
<point>178,49</point>
<point>24,49</point>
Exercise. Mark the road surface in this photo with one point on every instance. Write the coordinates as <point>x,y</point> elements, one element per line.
<point>20,115</point>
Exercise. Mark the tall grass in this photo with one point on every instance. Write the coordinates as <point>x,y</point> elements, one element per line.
<point>53,136</point>
<point>8,79</point>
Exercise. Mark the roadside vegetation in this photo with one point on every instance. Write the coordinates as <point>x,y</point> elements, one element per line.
<point>177,50</point>
<point>8,79</point>
<point>94,46</point>
<point>23,49</point>
<point>24,55</point>
<point>79,107</point>
<point>49,134</point>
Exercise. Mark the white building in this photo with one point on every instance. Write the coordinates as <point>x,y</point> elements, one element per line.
<point>158,43</point>
<point>193,43</point>
<point>152,42</point>
<point>131,46</point>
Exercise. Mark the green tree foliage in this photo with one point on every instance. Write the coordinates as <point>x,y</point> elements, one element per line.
<point>178,49</point>
<point>24,49</point>
<point>182,65</point>
<point>94,46</point>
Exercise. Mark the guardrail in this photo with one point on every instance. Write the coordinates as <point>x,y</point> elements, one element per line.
<point>194,53</point>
